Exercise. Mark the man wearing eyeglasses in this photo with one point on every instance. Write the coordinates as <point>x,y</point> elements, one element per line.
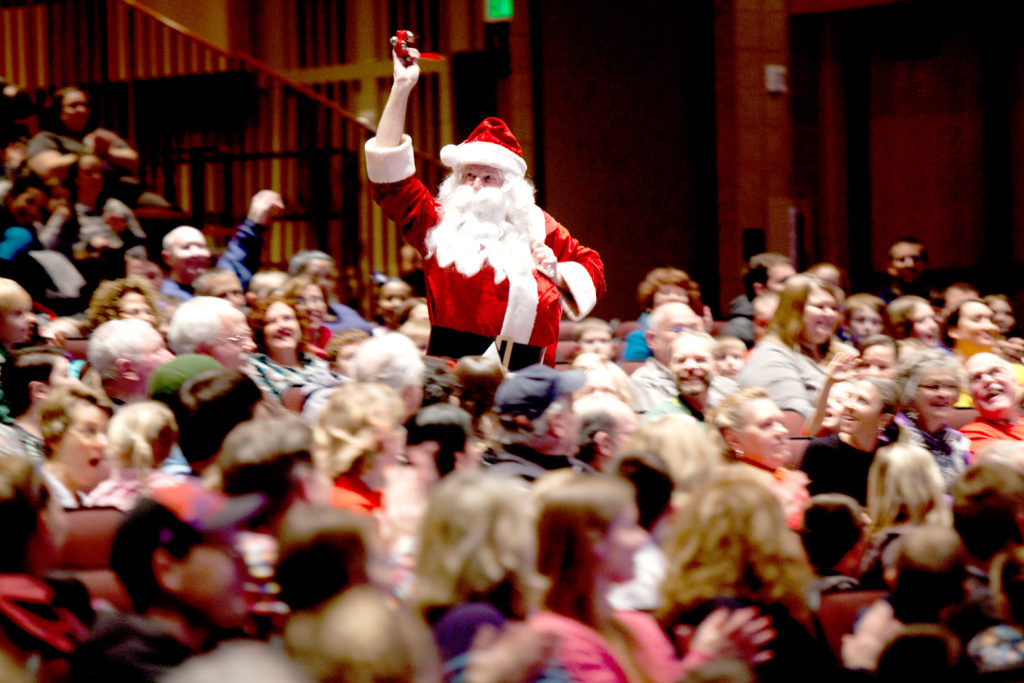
<point>213,327</point>
<point>996,395</point>
<point>653,382</point>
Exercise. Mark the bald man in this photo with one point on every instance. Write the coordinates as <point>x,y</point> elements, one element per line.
<point>186,254</point>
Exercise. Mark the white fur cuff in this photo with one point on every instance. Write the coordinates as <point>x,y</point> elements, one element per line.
<point>390,164</point>
<point>581,287</point>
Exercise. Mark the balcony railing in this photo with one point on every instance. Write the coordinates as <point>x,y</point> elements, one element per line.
<point>212,127</point>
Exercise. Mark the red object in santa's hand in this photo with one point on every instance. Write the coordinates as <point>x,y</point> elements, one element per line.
<point>402,41</point>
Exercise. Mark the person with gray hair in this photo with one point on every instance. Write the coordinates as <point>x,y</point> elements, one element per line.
<point>320,266</point>
<point>653,382</point>
<point>605,425</point>
<point>211,326</point>
<point>996,394</point>
<point>393,360</point>
<point>124,353</point>
<point>930,383</point>
<point>538,430</point>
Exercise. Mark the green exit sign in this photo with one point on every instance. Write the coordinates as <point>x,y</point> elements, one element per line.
<point>498,10</point>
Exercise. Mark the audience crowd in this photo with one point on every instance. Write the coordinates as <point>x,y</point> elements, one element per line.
<point>825,485</point>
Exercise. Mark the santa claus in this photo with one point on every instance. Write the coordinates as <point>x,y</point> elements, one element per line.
<point>499,270</point>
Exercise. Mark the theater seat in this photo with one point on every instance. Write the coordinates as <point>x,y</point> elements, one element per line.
<point>85,554</point>
<point>623,329</point>
<point>629,366</point>
<point>566,351</point>
<point>838,614</point>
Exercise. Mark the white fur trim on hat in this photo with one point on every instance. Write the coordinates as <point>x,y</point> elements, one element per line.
<point>581,287</point>
<point>484,154</point>
<point>389,164</point>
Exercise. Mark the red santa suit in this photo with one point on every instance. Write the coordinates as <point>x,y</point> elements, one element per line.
<point>526,308</point>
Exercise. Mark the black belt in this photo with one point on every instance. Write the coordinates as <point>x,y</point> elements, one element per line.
<point>444,341</point>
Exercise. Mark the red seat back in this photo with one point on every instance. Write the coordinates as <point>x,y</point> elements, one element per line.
<point>85,553</point>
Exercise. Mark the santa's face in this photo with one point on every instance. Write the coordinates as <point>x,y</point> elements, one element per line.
<point>478,176</point>
<point>485,220</point>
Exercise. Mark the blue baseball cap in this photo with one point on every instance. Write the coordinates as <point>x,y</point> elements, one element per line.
<point>531,390</point>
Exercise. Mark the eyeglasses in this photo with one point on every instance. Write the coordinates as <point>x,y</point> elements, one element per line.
<point>940,386</point>
<point>238,338</point>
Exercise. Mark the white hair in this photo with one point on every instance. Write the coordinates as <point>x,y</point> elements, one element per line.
<point>391,359</point>
<point>658,315</point>
<point>301,259</point>
<point>197,321</point>
<point>490,225</point>
<point>601,412</point>
<point>121,338</point>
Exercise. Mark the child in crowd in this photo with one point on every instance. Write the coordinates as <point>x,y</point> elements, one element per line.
<point>140,437</point>
<point>594,335</point>
<point>926,580</point>
<point>877,357</point>
<point>729,356</point>
<point>418,331</point>
<point>16,326</point>
<point>391,298</point>
<point>864,316</point>
<point>833,536</point>
<point>341,351</point>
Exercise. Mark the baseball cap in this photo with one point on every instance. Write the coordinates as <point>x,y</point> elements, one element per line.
<point>167,379</point>
<point>531,390</point>
<point>175,517</point>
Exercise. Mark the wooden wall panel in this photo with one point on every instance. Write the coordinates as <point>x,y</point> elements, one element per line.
<point>926,152</point>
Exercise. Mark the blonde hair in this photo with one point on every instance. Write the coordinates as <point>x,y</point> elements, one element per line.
<point>689,451</point>
<point>596,365</point>
<point>905,487</point>
<point>12,295</point>
<point>732,413</point>
<point>476,544</point>
<point>591,325</point>
<point>788,322</point>
<point>348,432</point>
<point>134,429</point>
<point>731,540</point>
<point>363,636</point>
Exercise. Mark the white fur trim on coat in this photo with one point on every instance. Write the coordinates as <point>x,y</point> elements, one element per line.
<point>581,287</point>
<point>483,154</point>
<point>520,312</point>
<point>389,164</point>
<point>537,227</point>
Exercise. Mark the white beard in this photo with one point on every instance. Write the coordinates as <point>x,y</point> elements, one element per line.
<point>490,225</point>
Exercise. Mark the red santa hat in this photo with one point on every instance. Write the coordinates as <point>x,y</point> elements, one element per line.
<point>490,144</point>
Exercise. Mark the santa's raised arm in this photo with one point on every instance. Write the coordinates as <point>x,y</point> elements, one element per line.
<point>499,270</point>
